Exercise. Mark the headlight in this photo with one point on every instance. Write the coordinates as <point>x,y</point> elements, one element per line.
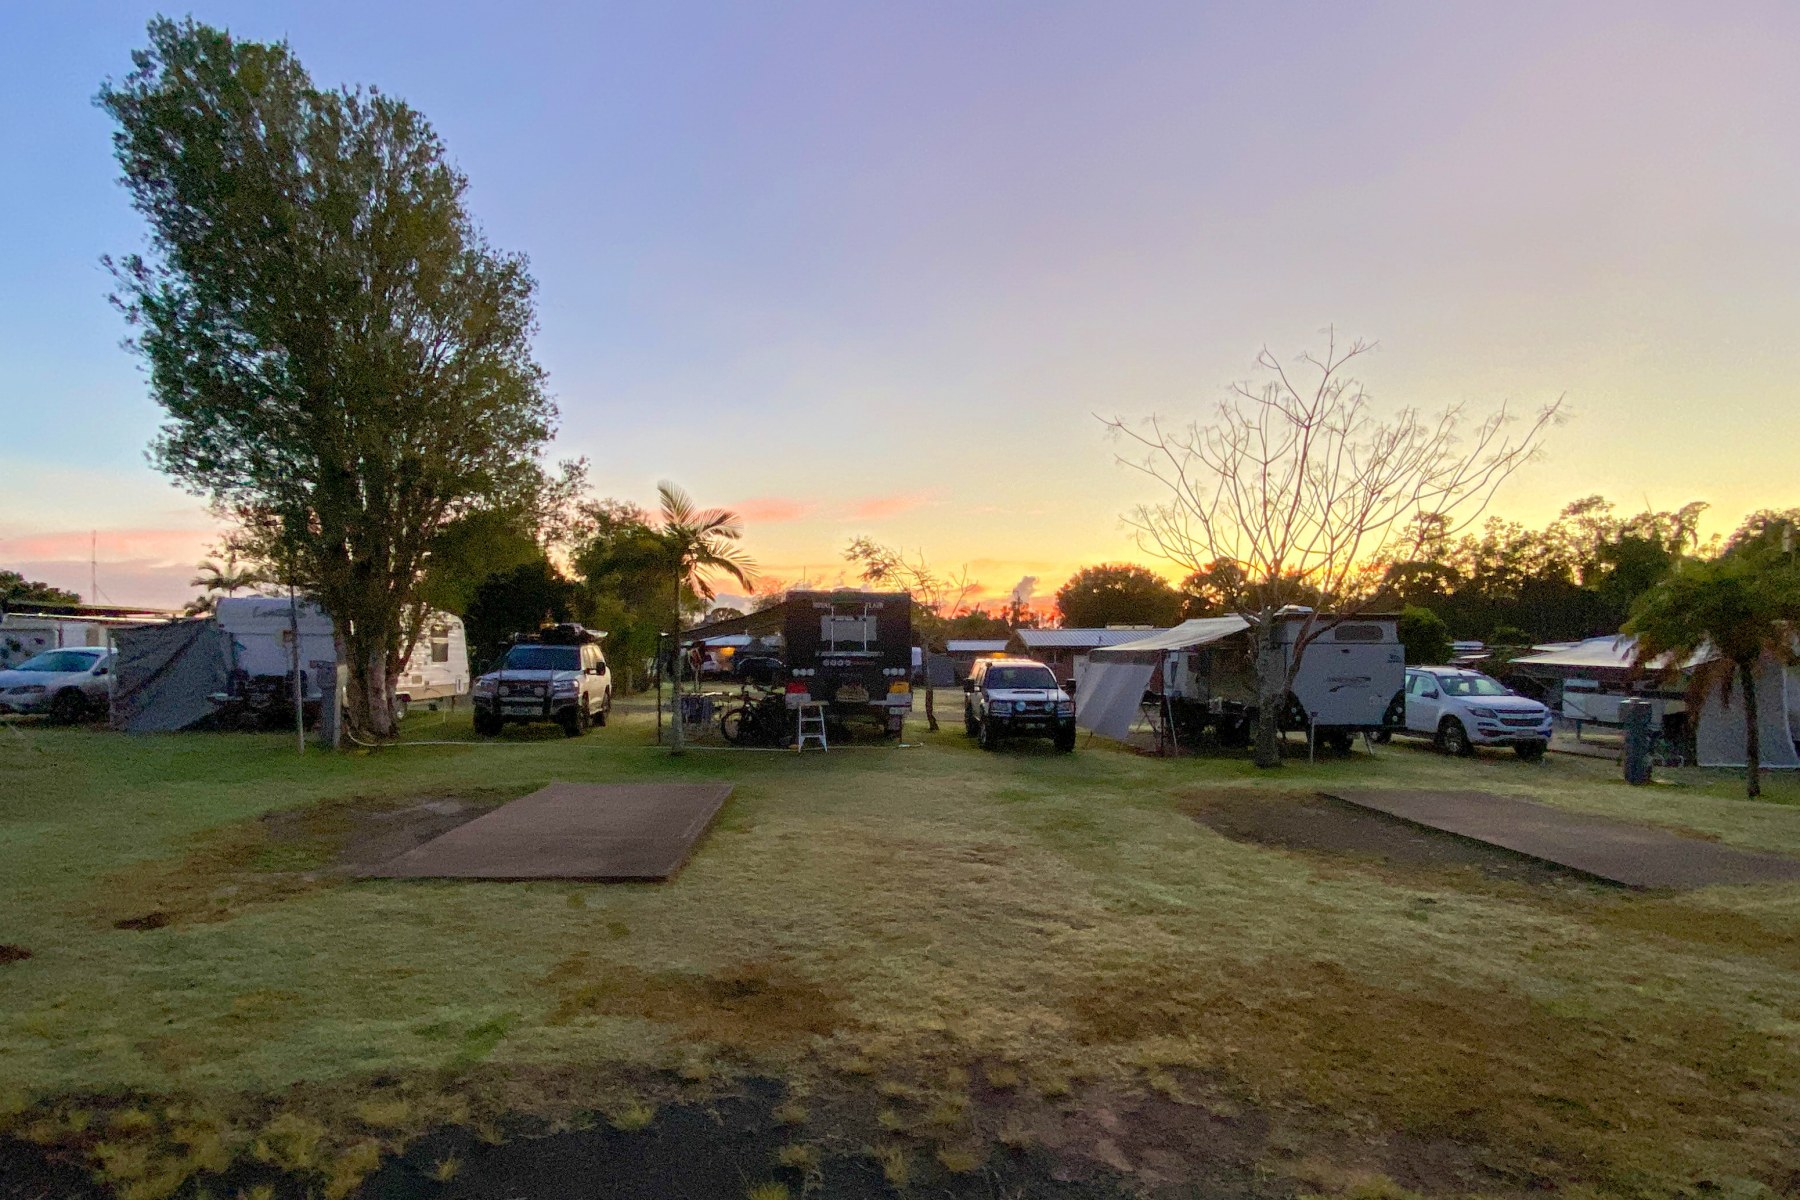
<point>1482,712</point>
<point>1001,708</point>
<point>1065,708</point>
<point>486,687</point>
<point>567,687</point>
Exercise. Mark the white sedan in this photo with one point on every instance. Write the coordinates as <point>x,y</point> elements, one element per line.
<point>69,684</point>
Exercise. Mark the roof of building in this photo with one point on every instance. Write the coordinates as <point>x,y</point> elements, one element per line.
<point>975,645</point>
<point>1080,639</point>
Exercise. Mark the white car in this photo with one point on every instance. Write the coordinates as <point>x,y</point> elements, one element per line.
<point>1460,710</point>
<point>69,684</point>
<point>558,676</point>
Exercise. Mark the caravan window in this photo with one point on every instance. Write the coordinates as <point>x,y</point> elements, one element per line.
<point>440,643</point>
<point>1359,633</point>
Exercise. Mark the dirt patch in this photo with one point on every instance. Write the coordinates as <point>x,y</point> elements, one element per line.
<point>1533,1097</point>
<point>10,953</point>
<point>277,857</point>
<point>754,1005</point>
<point>1328,830</point>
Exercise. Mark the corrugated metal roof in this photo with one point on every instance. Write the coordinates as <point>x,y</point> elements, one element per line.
<point>1078,639</point>
<point>979,646</point>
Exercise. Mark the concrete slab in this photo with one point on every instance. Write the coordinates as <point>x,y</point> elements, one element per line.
<point>1615,851</point>
<point>571,831</point>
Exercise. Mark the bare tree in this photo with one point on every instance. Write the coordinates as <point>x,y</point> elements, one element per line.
<point>1302,489</point>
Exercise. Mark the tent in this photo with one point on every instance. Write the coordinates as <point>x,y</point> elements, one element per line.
<point>1720,729</point>
<point>1113,686</point>
<point>164,675</point>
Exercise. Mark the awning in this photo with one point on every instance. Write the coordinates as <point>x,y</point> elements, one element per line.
<point>1186,636</point>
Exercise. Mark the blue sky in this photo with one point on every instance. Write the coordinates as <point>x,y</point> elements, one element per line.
<point>872,268</point>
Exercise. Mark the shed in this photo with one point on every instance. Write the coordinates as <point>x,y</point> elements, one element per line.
<point>1066,651</point>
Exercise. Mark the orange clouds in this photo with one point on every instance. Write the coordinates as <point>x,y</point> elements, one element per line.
<point>874,508</point>
<point>110,545</point>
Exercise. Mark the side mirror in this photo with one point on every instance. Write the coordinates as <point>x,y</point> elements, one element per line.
<point>968,685</point>
<point>1069,686</point>
<point>1431,695</point>
<point>100,670</point>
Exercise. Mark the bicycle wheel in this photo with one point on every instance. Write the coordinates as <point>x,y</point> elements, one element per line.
<point>731,724</point>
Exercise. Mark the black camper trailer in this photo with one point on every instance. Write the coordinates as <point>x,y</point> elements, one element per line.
<point>852,651</point>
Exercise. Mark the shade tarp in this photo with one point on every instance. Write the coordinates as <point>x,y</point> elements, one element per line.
<point>1719,734</point>
<point>165,675</point>
<point>1110,694</point>
<point>1186,636</point>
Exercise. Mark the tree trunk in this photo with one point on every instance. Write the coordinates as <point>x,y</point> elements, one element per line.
<point>369,699</point>
<point>675,730</point>
<point>1271,690</point>
<point>1752,734</point>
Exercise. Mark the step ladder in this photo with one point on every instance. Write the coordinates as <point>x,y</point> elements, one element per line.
<point>812,726</point>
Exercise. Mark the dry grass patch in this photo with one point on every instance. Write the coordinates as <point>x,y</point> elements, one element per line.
<point>1560,1099</point>
<point>754,1006</point>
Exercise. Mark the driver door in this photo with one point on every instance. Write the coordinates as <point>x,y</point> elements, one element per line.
<point>1422,702</point>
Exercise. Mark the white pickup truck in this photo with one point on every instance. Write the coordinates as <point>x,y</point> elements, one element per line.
<point>1460,709</point>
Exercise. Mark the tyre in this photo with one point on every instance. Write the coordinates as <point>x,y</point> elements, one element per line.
<point>605,713</point>
<point>1530,751</point>
<point>68,706</point>
<point>990,740</point>
<point>970,725</point>
<point>1065,741</point>
<point>401,705</point>
<point>486,725</point>
<point>575,722</point>
<point>1453,739</point>
<point>1339,741</point>
<point>731,725</point>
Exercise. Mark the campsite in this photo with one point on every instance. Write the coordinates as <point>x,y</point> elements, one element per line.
<point>724,601</point>
<point>896,969</point>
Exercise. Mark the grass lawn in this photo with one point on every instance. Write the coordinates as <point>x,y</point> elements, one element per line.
<point>938,955</point>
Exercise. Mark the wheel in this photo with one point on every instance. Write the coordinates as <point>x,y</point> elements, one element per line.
<point>68,706</point>
<point>989,739</point>
<point>486,724</point>
<point>1339,741</point>
<point>605,713</point>
<point>732,725</point>
<point>1530,751</point>
<point>576,721</point>
<point>401,705</point>
<point>1452,738</point>
<point>970,725</point>
<point>1065,741</point>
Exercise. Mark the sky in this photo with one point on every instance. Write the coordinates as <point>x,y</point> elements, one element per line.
<point>873,269</point>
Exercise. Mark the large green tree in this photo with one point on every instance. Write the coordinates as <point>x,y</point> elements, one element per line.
<point>344,361</point>
<point>1720,620</point>
<point>1118,594</point>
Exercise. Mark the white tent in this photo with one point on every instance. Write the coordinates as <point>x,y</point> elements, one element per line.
<point>1113,686</point>
<point>1720,728</point>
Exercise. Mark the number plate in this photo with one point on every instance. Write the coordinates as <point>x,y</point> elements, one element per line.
<point>853,693</point>
<point>523,710</point>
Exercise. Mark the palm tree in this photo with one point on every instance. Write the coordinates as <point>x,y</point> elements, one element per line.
<point>1720,619</point>
<point>696,544</point>
<point>229,578</point>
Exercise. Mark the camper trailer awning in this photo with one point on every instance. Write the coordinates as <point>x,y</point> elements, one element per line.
<point>1201,631</point>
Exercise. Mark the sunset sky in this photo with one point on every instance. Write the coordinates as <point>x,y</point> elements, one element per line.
<point>872,268</point>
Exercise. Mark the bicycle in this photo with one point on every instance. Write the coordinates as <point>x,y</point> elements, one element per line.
<point>760,720</point>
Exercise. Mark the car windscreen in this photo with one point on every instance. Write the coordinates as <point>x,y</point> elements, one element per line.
<point>1021,677</point>
<point>59,660</point>
<point>542,658</point>
<point>1473,685</point>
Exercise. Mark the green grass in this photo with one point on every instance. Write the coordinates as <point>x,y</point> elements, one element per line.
<point>890,913</point>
